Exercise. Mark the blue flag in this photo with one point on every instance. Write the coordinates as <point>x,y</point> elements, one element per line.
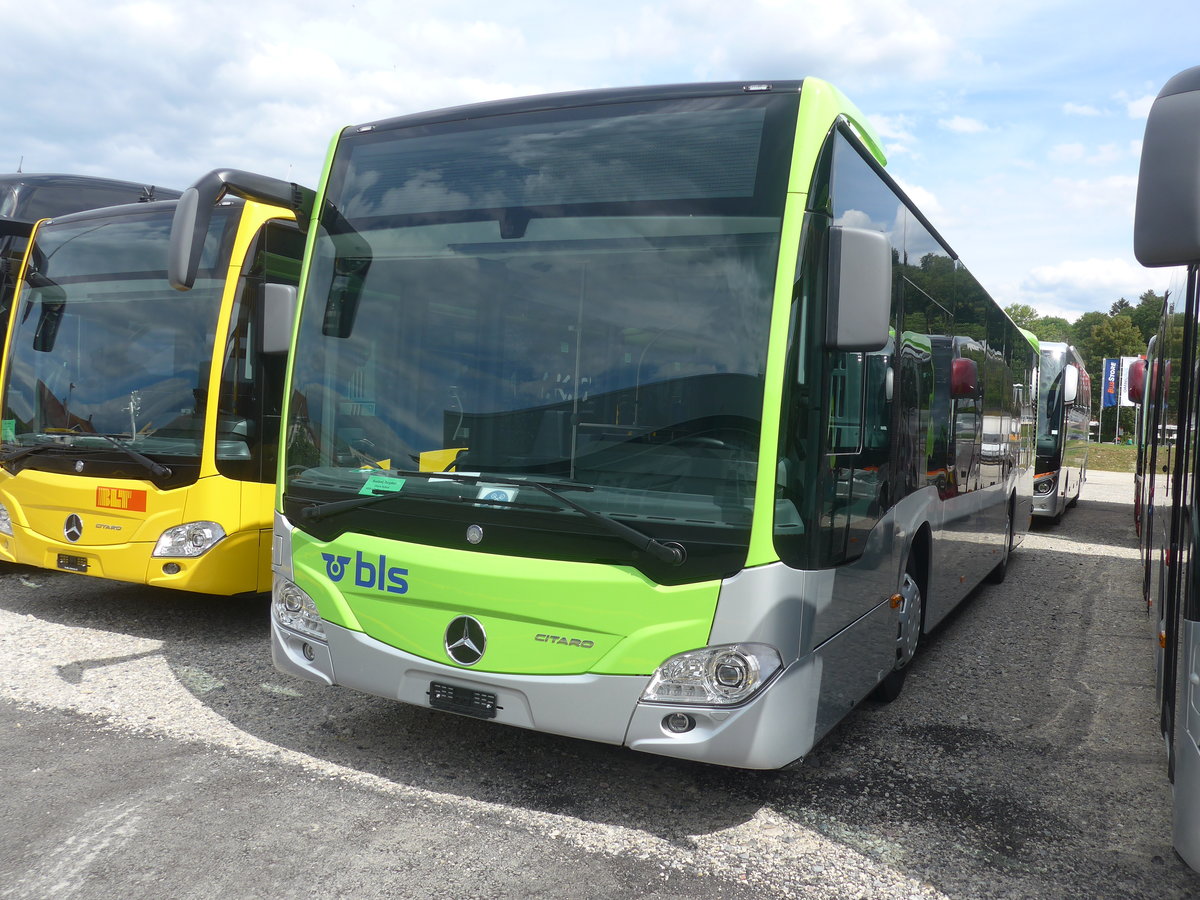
<point>1109,395</point>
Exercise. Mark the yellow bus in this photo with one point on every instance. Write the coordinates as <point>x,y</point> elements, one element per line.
<point>140,425</point>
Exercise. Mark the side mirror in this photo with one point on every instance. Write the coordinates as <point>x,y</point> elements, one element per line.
<point>860,290</point>
<point>279,311</point>
<point>1166,225</point>
<point>1136,387</point>
<point>964,378</point>
<point>1070,384</point>
<point>193,214</point>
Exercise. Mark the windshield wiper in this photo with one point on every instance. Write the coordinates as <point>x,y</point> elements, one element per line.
<point>156,469</point>
<point>670,553</point>
<point>32,448</point>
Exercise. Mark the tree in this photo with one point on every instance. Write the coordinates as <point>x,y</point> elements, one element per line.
<point>1146,314</point>
<point>1052,328</point>
<point>1081,337</point>
<point>1023,315</point>
<point>1120,308</point>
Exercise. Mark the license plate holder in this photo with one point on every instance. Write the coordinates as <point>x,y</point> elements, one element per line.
<point>69,563</point>
<point>465,701</point>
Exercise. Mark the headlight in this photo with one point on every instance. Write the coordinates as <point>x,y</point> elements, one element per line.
<point>724,675</point>
<point>190,540</point>
<point>5,520</point>
<point>1045,484</point>
<point>294,609</point>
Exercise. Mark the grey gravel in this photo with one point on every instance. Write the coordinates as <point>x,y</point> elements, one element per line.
<point>1022,760</point>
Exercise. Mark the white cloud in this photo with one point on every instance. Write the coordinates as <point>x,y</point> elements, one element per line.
<point>1140,108</point>
<point>1067,153</point>
<point>963,125</point>
<point>1072,287</point>
<point>1076,109</point>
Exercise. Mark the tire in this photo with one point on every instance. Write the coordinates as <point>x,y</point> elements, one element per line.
<point>908,635</point>
<point>998,574</point>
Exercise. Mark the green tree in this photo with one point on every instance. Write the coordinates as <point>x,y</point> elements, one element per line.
<point>1120,308</point>
<point>1081,337</point>
<point>1147,313</point>
<point>1024,315</point>
<point>1051,328</point>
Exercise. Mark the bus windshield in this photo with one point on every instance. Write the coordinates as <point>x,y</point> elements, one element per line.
<point>1050,403</point>
<point>101,346</point>
<point>579,297</point>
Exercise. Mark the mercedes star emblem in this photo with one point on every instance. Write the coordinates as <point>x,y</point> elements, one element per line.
<point>73,528</point>
<point>466,640</point>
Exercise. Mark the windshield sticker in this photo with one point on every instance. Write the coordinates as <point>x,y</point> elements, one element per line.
<point>496,492</point>
<point>8,430</point>
<point>381,484</point>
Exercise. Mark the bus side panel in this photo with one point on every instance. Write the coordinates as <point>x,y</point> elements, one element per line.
<point>1187,749</point>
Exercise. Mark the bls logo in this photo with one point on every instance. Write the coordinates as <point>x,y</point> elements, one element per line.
<point>367,574</point>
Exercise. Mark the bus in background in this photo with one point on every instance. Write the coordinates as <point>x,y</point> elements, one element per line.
<point>1141,389</point>
<point>26,198</point>
<point>613,414</point>
<point>140,425</point>
<point>1167,233</point>
<point>1063,415</point>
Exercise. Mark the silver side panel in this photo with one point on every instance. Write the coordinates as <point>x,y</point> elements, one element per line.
<point>281,547</point>
<point>1048,505</point>
<point>782,723</point>
<point>1187,750</point>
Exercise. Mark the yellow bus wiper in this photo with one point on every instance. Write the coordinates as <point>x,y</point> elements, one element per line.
<point>156,469</point>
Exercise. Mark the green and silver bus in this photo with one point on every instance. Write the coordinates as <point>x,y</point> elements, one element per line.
<point>653,416</point>
<point>1167,233</point>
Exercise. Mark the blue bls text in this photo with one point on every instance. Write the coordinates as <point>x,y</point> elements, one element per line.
<point>371,574</point>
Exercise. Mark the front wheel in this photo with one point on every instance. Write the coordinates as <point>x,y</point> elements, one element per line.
<point>908,636</point>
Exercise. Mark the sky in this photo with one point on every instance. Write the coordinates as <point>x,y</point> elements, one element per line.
<point>1014,126</point>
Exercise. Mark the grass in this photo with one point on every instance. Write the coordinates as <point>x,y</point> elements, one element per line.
<point>1112,457</point>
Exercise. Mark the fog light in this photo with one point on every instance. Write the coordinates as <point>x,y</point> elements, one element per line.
<point>679,723</point>
<point>5,520</point>
<point>308,651</point>
<point>171,569</point>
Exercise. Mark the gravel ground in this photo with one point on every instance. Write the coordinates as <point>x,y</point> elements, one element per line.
<point>149,749</point>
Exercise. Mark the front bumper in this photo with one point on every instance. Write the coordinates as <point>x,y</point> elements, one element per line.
<point>770,730</point>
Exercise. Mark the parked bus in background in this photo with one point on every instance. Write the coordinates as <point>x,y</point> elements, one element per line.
<point>613,414</point>
<point>1063,416</point>
<point>26,198</point>
<point>1167,233</point>
<point>1141,390</point>
<point>140,425</point>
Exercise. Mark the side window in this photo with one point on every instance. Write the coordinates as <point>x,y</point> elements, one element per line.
<point>255,361</point>
<point>857,469</point>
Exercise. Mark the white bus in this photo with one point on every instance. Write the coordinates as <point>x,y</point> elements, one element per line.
<point>1167,233</point>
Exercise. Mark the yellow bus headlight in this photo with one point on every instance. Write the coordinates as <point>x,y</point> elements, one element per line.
<point>189,540</point>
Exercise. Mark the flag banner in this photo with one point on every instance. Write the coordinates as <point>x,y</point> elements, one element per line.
<point>1112,382</point>
<point>1126,362</point>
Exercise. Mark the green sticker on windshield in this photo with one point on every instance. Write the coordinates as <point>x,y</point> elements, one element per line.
<point>8,430</point>
<point>380,484</point>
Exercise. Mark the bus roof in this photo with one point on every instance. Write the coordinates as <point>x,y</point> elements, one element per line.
<point>591,97</point>
<point>29,197</point>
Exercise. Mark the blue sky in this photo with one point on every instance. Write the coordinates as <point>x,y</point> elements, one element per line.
<point>1015,125</point>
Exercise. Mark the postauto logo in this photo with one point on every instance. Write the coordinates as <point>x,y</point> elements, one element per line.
<point>373,573</point>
